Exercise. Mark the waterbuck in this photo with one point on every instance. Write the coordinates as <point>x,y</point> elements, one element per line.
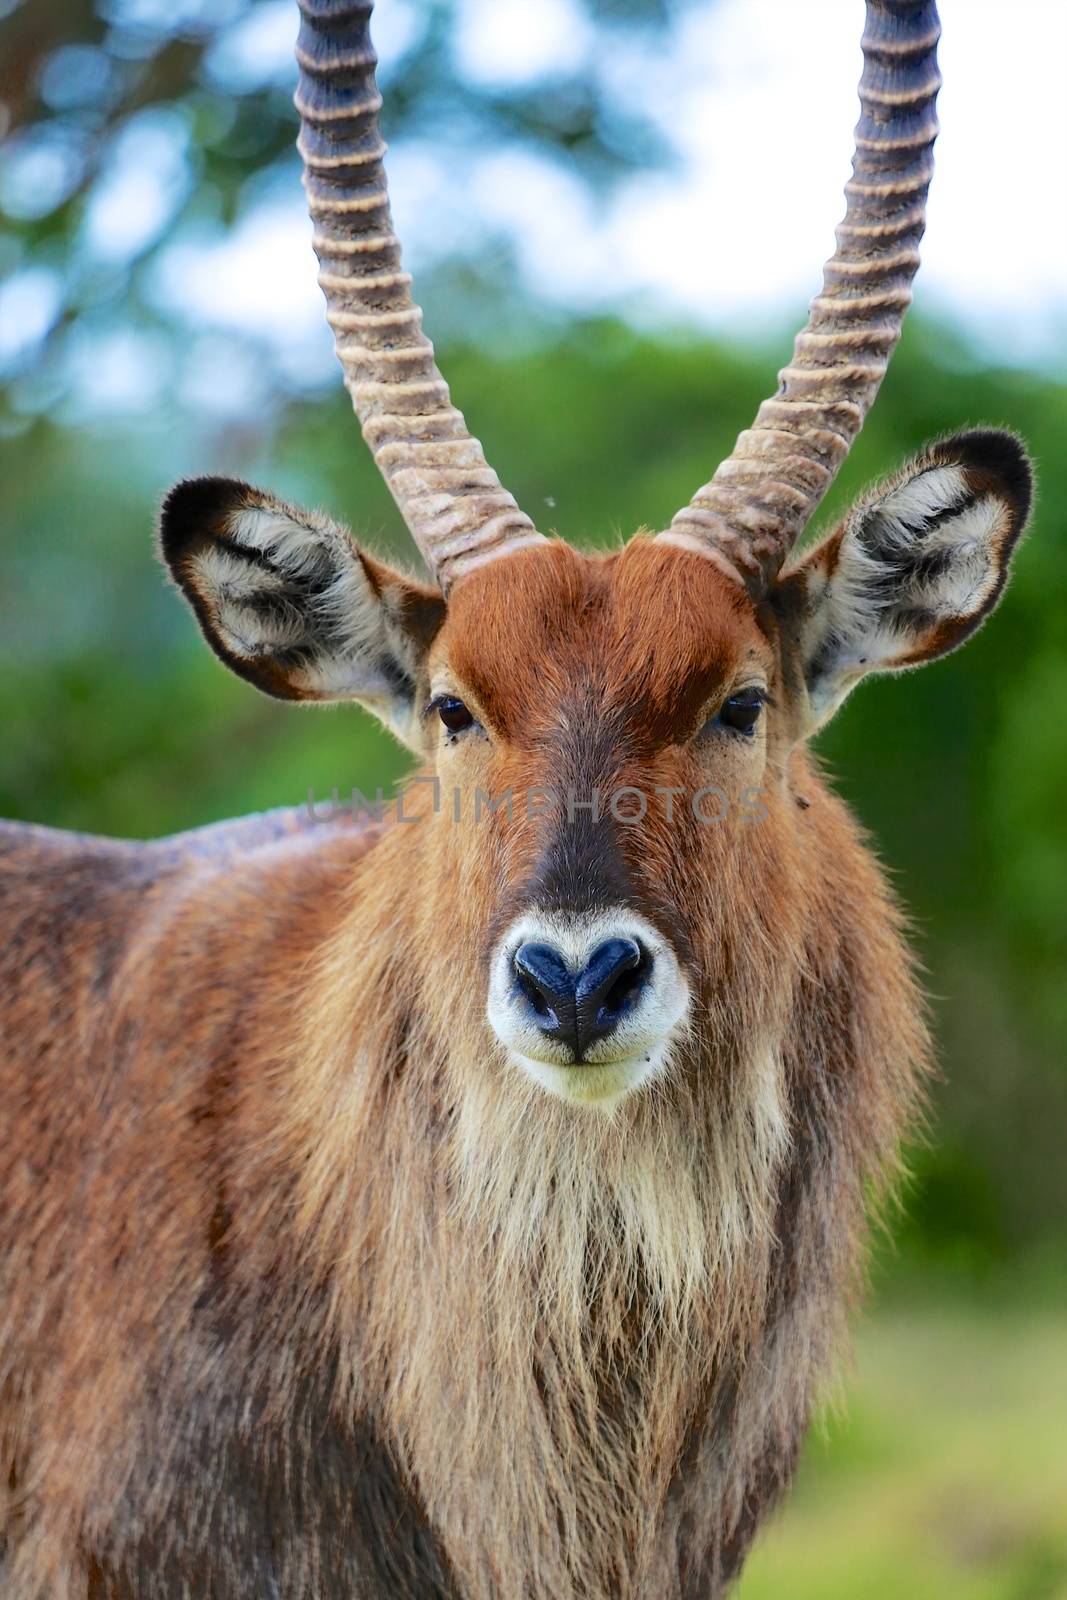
<point>467,1203</point>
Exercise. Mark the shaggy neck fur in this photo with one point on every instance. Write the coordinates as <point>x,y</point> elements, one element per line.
<point>541,1297</point>
<point>540,1304</point>
<point>347,1252</point>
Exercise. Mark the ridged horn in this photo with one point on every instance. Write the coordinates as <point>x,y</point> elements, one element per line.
<point>759,501</point>
<point>450,498</point>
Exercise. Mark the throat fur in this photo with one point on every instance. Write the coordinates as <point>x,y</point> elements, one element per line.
<point>564,1316</point>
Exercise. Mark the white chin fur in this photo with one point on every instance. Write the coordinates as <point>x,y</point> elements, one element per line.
<point>637,1050</point>
<point>588,1085</point>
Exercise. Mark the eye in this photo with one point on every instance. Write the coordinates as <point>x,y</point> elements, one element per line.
<point>741,711</point>
<point>453,713</point>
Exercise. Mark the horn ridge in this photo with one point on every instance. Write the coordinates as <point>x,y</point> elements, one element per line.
<point>452,501</point>
<point>760,499</point>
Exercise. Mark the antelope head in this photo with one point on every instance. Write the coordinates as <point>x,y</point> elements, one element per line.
<point>642,712</point>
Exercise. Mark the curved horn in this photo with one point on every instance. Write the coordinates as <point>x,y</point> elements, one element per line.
<point>757,504</point>
<point>451,500</point>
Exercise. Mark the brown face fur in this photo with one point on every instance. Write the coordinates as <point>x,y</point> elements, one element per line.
<point>601,677</point>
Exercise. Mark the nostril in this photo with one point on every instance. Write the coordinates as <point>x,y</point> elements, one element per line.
<point>626,986</point>
<point>532,993</point>
<point>545,981</point>
<point>535,997</point>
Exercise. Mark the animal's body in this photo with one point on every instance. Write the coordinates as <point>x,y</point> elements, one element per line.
<point>272,1275</point>
<point>469,1204</point>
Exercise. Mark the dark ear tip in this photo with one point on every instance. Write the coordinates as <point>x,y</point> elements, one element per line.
<point>195,507</point>
<point>1000,455</point>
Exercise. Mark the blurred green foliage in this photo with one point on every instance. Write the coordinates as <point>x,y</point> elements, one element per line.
<point>116,718</point>
<point>948,1481</point>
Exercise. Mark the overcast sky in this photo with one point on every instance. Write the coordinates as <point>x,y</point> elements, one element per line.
<point>760,96</point>
<point>764,113</point>
<point>759,100</point>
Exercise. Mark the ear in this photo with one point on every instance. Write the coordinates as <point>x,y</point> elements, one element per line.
<point>915,567</point>
<point>287,601</point>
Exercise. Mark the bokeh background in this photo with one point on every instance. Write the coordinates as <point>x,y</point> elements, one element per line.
<point>617,212</point>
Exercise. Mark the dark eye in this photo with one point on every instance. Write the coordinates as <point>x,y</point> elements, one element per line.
<point>454,714</point>
<point>741,711</point>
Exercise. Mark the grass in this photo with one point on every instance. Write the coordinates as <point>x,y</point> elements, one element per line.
<point>944,1474</point>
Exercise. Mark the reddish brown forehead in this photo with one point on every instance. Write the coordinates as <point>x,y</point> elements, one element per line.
<point>652,628</point>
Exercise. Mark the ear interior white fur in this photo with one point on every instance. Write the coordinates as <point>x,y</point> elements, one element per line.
<point>304,591</point>
<point>913,566</point>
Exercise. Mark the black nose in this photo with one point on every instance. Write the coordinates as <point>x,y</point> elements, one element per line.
<point>578,1008</point>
